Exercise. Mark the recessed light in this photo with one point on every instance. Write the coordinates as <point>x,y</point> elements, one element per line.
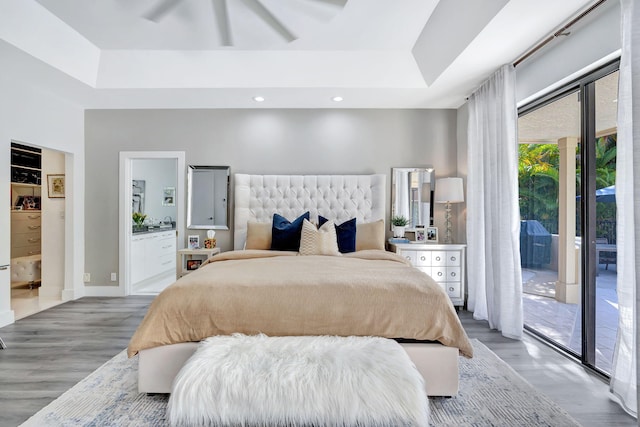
<point>258,98</point>
<point>337,99</point>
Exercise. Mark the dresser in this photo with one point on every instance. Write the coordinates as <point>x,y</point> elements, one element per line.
<point>444,263</point>
<point>25,233</point>
<point>152,254</point>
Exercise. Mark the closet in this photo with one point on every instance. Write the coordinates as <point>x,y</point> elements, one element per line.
<point>26,215</point>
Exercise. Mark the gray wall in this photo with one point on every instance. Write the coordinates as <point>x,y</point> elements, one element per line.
<point>255,141</point>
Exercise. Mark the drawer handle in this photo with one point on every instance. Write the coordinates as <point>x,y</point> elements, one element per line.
<point>34,252</point>
<point>166,247</point>
<point>33,240</point>
<point>33,216</point>
<point>33,227</point>
<point>453,258</point>
<point>451,289</point>
<point>437,258</point>
<point>439,273</point>
<point>453,274</point>
<point>408,257</point>
<point>167,262</point>
<point>422,258</point>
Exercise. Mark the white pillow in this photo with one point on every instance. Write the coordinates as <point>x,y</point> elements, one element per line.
<point>322,241</point>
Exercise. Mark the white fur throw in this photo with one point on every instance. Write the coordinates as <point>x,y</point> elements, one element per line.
<point>257,380</point>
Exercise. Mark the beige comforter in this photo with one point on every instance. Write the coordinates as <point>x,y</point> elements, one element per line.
<point>366,293</point>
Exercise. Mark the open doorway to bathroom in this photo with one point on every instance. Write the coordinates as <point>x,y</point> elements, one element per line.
<point>151,218</point>
<point>37,228</point>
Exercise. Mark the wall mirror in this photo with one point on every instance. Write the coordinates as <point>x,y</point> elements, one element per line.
<point>208,197</point>
<point>412,195</point>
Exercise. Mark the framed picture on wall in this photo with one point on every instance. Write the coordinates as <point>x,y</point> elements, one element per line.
<point>55,186</point>
<point>169,196</point>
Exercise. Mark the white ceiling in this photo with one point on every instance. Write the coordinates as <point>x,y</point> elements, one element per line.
<point>373,53</point>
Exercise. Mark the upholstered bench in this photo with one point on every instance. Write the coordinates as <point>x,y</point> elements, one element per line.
<point>283,381</point>
<point>25,271</point>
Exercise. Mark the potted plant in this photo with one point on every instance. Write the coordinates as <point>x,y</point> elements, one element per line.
<point>138,220</point>
<point>399,223</point>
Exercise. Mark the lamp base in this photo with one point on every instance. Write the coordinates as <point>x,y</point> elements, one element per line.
<point>447,219</point>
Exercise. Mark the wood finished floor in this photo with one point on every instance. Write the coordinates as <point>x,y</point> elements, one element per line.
<point>51,351</point>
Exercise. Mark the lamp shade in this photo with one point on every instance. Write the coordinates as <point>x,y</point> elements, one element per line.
<point>449,190</point>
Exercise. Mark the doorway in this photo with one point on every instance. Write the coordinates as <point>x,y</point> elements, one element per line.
<point>37,228</point>
<point>567,170</point>
<point>151,219</point>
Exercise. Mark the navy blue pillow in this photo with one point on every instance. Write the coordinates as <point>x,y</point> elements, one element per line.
<point>285,235</point>
<point>346,234</point>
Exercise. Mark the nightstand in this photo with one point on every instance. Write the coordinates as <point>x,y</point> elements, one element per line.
<point>190,259</point>
<point>444,263</point>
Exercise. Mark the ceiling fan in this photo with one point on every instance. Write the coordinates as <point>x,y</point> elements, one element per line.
<point>221,15</point>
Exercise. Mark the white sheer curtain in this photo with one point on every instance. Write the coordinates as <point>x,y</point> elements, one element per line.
<point>624,378</point>
<point>493,217</point>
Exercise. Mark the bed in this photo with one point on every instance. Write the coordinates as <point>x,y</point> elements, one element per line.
<point>280,293</point>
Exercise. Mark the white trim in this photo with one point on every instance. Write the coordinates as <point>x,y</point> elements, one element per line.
<point>586,70</point>
<point>124,229</point>
<point>104,291</point>
<point>7,318</point>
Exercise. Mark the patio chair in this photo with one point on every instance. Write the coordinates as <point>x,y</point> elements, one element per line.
<point>606,258</point>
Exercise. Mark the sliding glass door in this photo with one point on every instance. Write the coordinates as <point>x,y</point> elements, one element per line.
<point>567,206</point>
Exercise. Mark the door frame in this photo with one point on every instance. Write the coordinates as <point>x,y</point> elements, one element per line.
<point>125,223</point>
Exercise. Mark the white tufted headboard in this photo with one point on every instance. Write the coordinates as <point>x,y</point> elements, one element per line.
<point>336,197</point>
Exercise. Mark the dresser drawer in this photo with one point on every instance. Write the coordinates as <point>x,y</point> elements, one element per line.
<point>19,240</point>
<point>453,289</point>
<point>27,226</point>
<point>438,258</point>
<point>439,274</point>
<point>452,258</point>
<point>423,258</point>
<point>453,274</point>
<point>25,251</point>
<point>410,256</point>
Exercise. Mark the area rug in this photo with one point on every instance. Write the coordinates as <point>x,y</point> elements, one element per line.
<point>491,394</point>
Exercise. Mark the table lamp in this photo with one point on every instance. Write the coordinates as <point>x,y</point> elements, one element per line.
<point>449,190</point>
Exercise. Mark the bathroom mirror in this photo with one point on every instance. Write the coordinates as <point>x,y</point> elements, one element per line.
<point>412,195</point>
<point>208,197</point>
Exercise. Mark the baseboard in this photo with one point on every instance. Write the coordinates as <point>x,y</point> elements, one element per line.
<point>46,292</point>
<point>103,291</point>
<point>7,317</point>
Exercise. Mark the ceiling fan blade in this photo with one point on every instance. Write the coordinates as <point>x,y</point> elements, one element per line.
<point>222,19</point>
<point>161,9</point>
<point>259,9</point>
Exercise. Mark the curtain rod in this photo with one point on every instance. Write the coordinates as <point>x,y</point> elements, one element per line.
<point>560,32</point>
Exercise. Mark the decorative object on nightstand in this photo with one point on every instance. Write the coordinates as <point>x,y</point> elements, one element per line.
<point>399,224</point>
<point>449,190</point>
<point>194,241</point>
<point>210,241</point>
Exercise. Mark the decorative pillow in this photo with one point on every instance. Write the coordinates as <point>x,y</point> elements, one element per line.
<point>285,235</point>
<point>370,235</point>
<point>258,235</point>
<point>320,241</point>
<point>346,234</point>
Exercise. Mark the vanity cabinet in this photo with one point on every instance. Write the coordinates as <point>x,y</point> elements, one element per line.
<point>25,233</point>
<point>444,263</point>
<point>152,254</point>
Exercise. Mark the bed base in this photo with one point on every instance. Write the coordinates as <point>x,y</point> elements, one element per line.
<point>438,365</point>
